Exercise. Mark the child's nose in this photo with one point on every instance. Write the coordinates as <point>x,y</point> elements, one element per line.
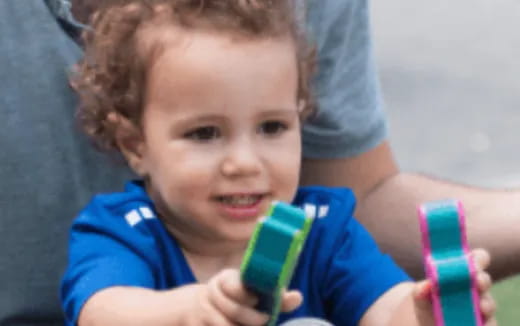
<point>241,159</point>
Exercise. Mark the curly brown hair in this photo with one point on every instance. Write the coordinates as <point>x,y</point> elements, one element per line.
<point>112,75</point>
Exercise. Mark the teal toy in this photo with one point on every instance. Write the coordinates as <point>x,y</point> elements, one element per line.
<point>448,264</point>
<point>272,255</point>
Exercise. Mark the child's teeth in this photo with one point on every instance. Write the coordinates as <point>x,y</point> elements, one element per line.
<point>240,200</point>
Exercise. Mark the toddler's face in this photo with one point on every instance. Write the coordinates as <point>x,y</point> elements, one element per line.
<point>221,133</point>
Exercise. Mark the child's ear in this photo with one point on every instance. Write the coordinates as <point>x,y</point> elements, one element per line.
<point>301,106</point>
<point>130,141</point>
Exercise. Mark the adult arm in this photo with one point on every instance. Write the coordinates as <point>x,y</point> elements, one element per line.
<point>388,199</point>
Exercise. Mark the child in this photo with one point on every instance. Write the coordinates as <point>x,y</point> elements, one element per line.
<point>204,100</point>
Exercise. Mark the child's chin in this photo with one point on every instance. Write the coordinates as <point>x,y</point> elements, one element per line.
<point>242,234</point>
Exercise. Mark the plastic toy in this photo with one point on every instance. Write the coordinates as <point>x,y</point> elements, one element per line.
<point>449,265</point>
<point>272,254</point>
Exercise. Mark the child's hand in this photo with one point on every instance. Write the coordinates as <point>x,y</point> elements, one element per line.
<point>225,301</point>
<point>422,291</point>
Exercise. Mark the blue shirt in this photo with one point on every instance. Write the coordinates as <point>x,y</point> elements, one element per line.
<point>117,240</point>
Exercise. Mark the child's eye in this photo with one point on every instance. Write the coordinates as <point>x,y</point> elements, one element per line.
<point>203,133</point>
<point>272,127</point>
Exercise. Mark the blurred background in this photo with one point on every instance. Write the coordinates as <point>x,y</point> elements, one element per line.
<point>450,73</point>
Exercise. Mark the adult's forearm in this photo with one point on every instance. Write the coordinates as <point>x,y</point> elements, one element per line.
<point>493,220</point>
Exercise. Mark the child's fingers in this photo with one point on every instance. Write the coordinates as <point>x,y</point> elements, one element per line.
<point>481,258</point>
<point>231,285</point>
<point>228,296</point>
<point>291,300</point>
<point>484,282</point>
<point>423,306</point>
<point>487,306</point>
<point>422,291</point>
<point>421,295</point>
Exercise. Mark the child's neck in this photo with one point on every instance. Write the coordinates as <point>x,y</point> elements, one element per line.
<point>206,265</point>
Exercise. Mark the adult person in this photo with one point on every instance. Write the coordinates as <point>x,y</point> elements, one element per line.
<point>47,177</point>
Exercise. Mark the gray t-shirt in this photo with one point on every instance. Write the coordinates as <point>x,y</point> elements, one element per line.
<point>48,171</point>
<point>349,119</point>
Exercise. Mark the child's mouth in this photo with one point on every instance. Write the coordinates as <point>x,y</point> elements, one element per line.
<point>240,200</point>
<point>242,206</point>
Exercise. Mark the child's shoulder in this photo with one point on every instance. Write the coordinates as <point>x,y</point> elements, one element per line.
<point>130,206</point>
<point>332,210</point>
<point>331,202</point>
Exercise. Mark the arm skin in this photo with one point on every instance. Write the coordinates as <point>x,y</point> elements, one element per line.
<point>395,307</point>
<point>142,307</point>
<point>189,305</point>
<point>388,198</point>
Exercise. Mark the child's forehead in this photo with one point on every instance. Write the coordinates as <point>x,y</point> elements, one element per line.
<point>153,40</point>
<point>207,64</point>
<point>203,53</point>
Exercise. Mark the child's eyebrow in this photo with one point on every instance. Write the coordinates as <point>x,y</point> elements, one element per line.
<point>282,111</point>
<point>201,117</point>
<point>216,117</point>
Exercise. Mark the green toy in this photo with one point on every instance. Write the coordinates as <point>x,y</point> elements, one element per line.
<point>272,255</point>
